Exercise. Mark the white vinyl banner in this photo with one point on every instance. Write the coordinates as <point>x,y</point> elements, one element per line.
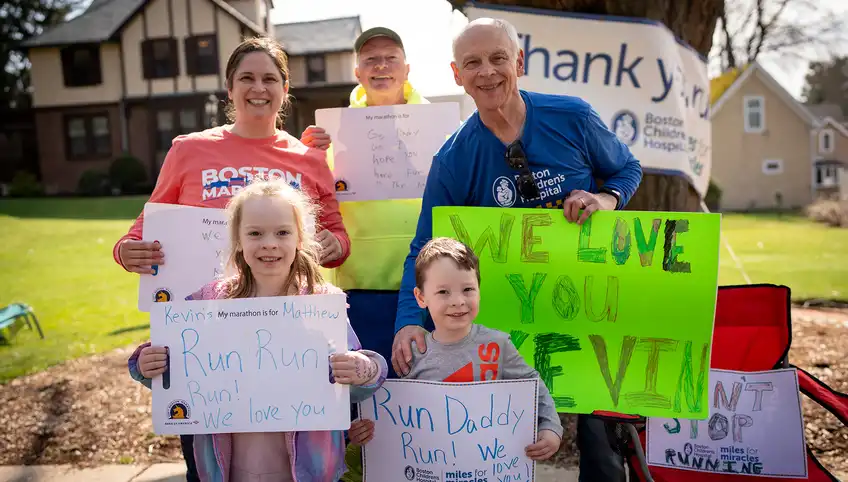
<point>755,428</point>
<point>650,89</point>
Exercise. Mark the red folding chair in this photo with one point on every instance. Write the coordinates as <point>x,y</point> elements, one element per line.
<point>753,332</point>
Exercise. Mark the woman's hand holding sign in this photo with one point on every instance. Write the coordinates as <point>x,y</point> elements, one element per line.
<point>141,256</point>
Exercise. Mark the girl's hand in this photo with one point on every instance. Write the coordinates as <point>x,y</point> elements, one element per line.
<point>141,256</point>
<point>547,445</point>
<point>352,368</point>
<point>315,137</point>
<point>331,248</point>
<point>153,361</point>
<point>361,431</point>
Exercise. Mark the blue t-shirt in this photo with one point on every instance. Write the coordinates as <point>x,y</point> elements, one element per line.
<point>567,147</point>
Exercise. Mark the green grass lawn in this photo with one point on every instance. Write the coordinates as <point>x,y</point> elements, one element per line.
<point>810,258</point>
<point>57,257</point>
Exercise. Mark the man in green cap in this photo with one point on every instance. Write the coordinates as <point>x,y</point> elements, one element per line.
<point>380,231</point>
<point>382,72</point>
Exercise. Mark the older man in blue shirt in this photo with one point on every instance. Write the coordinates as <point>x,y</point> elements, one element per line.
<point>520,149</point>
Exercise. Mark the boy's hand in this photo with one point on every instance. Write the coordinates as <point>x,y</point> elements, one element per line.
<point>547,445</point>
<point>152,361</point>
<point>361,431</point>
<point>352,368</point>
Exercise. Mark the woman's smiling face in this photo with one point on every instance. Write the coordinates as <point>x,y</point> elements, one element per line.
<point>257,88</point>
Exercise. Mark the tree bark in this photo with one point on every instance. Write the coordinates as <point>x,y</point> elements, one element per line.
<point>694,22</point>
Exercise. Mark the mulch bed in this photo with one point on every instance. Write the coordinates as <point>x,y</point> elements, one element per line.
<point>89,412</point>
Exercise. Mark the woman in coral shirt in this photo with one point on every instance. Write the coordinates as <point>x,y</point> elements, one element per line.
<point>206,168</point>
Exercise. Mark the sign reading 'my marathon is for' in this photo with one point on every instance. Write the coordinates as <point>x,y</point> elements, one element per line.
<point>616,314</point>
<point>650,89</point>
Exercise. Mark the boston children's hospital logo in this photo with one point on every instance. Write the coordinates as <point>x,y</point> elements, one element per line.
<point>504,191</point>
<point>625,125</point>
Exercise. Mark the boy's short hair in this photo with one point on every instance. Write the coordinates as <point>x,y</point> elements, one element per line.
<point>443,247</point>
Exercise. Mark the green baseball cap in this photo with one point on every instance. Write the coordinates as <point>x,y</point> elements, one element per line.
<point>377,32</point>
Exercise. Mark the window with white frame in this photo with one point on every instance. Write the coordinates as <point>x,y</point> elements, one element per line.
<point>754,111</point>
<point>826,141</point>
<point>827,175</point>
<point>772,166</point>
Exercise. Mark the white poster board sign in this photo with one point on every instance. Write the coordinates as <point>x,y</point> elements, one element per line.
<point>195,242</point>
<point>650,89</point>
<point>446,432</point>
<point>250,365</point>
<point>755,428</point>
<point>385,152</point>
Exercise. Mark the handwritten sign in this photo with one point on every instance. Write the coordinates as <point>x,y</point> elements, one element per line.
<point>755,428</point>
<point>616,315</point>
<point>250,365</point>
<point>435,431</point>
<point>385,152</point>
<point>195,242</point>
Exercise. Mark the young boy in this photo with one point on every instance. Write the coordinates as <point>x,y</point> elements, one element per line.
<point>447,283</point>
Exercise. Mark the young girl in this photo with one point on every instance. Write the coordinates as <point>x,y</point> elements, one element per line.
<point>273,255</point>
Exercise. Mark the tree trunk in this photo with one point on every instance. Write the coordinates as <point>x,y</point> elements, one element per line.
<point>694,22</point>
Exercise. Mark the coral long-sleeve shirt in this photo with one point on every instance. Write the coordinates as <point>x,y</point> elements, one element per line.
<point>206,168</point>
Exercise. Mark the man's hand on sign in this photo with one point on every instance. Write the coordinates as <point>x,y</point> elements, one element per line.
<point>581,200</point>
<point>545,447</point>
<point>315,137</point>
<point>152,361</point>
<point>331,248</point>
<point>402,347</point>
<point>361,431</point>
<point>141,256</point>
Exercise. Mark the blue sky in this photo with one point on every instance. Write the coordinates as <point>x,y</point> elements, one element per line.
<point>429,53</point>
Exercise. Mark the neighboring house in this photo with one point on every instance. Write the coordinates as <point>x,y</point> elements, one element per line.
<point>769,150</point>
<point>129,76</point>
<point>322,63</point>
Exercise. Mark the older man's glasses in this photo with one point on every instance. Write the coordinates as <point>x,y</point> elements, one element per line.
<point>517,159</point>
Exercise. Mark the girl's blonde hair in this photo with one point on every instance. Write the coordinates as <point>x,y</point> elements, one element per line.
<point>305,269</point>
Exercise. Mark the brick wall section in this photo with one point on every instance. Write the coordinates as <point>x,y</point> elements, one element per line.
<point>59,174</point>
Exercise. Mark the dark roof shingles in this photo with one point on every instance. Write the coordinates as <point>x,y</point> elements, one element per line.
<point>103,18</point>
<point>99,21</point>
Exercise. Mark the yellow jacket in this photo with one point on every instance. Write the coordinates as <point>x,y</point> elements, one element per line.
<point>379,231</point>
